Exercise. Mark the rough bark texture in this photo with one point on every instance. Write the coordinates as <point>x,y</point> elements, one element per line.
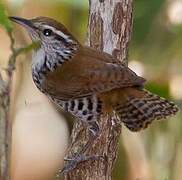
<point>109,30</point>
<point>4,133</point>
<point>5,127</point>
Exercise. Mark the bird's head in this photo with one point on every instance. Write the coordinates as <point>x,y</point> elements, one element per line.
<point>48,31</point>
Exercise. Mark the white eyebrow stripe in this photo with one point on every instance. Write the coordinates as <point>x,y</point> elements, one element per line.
<point>66,37</point>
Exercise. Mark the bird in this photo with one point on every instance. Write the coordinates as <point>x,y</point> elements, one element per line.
<point>89,83</point>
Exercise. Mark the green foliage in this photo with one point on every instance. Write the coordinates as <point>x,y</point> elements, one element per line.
<point>4,21</point>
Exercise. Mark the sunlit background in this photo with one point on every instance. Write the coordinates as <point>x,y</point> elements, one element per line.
<point>155,53</point>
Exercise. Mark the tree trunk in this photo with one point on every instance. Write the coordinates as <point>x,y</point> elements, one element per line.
<point>109,30</point>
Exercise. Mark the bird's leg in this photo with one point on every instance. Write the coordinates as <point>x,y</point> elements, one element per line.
<point>93,130</point>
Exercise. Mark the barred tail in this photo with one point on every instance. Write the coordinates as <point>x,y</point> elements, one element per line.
<point>141,108</point>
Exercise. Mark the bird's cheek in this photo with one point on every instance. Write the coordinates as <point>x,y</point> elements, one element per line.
<point>45,40</point>
<point>34,36</point>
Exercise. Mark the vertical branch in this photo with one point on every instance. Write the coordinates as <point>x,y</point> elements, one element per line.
<point>5,123</point>
<point>4,108</point>
<point>109,30</point>
<point>110,26</point>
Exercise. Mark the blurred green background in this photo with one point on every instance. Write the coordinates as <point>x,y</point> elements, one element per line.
<point>155,53</point>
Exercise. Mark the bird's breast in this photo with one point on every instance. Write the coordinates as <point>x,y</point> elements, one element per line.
<point>39,69</point>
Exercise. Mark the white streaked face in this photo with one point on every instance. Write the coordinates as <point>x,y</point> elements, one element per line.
<point>51,38</point>
<point>47,33</point>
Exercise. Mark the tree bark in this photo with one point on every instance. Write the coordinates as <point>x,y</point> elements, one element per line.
<point>109,30</point>
<point>4,132</point>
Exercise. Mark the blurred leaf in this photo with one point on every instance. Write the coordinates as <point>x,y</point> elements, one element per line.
<point>4,21</point>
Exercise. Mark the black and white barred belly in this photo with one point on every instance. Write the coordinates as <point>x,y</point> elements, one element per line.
<point>86,109</point>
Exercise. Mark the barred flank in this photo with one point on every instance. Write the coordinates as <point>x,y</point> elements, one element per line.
<point>138,113</point>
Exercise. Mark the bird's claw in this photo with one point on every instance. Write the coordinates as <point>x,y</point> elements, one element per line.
<point>78,159</point>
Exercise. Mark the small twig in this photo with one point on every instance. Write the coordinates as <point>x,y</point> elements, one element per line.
<point>16,53</point>
<point>2,85</point>
<point>12,59</point>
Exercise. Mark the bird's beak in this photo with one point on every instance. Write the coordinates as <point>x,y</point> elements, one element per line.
<point>23,22</point>
<point>28,25</point>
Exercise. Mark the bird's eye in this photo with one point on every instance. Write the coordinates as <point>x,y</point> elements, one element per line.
<point>47,32</point>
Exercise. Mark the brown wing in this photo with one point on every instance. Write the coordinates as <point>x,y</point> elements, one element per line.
<point>88,73</point>
<point>101,56</point>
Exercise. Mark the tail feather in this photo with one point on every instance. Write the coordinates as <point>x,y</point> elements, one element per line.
<point>138,112</point>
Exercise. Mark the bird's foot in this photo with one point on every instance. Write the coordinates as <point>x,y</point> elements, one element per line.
<point>93,129</point>
<point>72,163</point>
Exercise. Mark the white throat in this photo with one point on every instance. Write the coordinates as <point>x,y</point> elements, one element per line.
<point>38,59</point>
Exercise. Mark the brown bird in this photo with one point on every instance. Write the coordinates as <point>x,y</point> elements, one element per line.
<point>88,83</point>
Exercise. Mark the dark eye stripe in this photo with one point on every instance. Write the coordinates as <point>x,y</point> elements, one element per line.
<point>49,32</point>
<point>61,39</point>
